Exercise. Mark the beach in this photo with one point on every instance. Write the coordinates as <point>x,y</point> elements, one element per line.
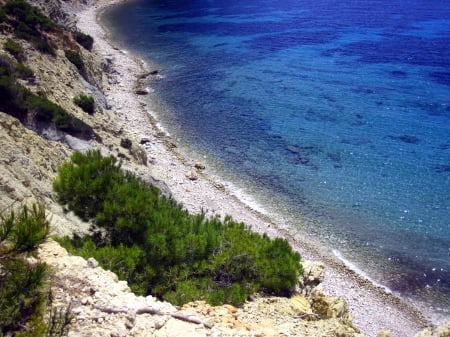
<point>373,308</point>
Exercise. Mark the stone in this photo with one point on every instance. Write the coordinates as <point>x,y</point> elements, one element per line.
<point>300,305</point>
<point>440,331</point>
<point>313,275</point>
<point>92,263</point>
<point>139,154</point>
<point>192,175</point>
<point>141,91</point>
<point>328,307</point>
<point>199,166</point>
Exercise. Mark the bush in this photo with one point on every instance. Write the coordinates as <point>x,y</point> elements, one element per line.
<point>31,228</point>
<point>85,40</point>
<point>86,103</point>
<point>14,49</point>
<point>22,284</point>
<point>18,101</point>
<point>29,24</point>
<point>162,249</point>
<point>23,72</point>
<point>2,15</point>
<point>75,58</point>
<point>31,17</point>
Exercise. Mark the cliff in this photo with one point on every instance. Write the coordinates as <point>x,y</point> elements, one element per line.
<point>31,152</point>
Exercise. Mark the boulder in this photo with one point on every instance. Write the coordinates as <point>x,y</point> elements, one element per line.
<point>199,166</point>
<point>313,275</point>
<point>440,331</point>
<point>192,175</point>
<point>329,307</point>
<point>300,305</point>
<point>139,154</point>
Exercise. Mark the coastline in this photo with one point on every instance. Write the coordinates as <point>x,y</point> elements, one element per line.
<point>372,307</point>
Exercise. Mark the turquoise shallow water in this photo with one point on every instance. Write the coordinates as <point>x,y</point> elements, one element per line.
<point>338,112</point>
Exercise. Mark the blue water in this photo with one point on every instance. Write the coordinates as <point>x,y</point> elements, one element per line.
<point>332,111</point>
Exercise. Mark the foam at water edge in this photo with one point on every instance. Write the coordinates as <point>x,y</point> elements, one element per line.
<point>157,124</point>
<point>350,265</point>
<point>246,198</point>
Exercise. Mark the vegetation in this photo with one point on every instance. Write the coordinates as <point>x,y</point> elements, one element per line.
<point>29,23</point>
<point>161,249</point>
<point>14,49</point>
<point>84,39</point>
<point>75,58</point>
<point>23,283</point>
<point>3,16</point>
<point>86,103</point>
<point>21,103</point>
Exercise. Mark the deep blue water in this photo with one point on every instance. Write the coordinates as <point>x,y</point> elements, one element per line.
<point>335,111</point>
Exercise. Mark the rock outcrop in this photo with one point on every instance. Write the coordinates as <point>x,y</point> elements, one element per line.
<point>102,305</point>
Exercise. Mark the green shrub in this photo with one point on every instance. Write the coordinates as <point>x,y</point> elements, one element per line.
<point>2,15</point>
<point>31,229</point>
<point>75,58</point>
<point>86,103</point>
<point>162,249</point>
<point>29,24</point>
<point>18,101</point>
<point>22,284</point>
<point>30,16</point>
<point>44,47</point>
<point>84,39</point>
<point>47,111</point>
<point>14,49</point>
<point>23,72</point>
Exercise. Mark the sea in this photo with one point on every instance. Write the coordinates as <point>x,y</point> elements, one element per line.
<point>334,114</point>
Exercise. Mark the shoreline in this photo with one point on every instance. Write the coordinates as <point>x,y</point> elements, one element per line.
<point>372,307</point>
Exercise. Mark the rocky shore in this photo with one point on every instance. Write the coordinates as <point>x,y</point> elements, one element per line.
<point>103,305</point>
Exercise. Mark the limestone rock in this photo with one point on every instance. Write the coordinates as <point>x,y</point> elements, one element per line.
<point>440,331</point>
<point>313,275</point>
<point>328,307</point>
<point>199,166</point>
<point>192,175</point>
<point>139,154</point>
<point>92,263</point>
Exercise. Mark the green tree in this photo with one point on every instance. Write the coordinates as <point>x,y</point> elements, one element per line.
<point>162,249</point>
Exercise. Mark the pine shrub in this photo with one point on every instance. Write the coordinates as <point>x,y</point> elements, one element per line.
<point>14,49</point>
<point>2,15</point>
<point>84,39</point>
<point>163,250</point>
<point>19,102</point>
<point>75,58</point>
<point>23,284</point>
<point>30,23</point>
<point>86,103</point>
